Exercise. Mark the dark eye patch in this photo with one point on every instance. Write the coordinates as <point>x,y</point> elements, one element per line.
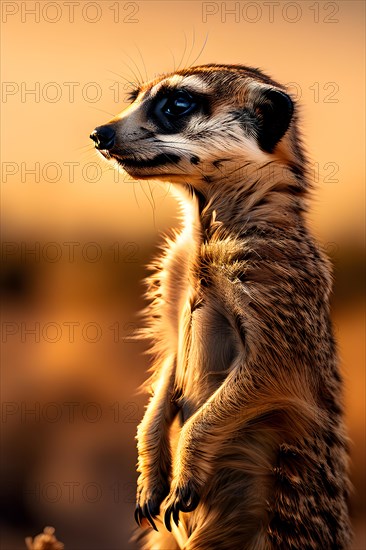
<point>172,108</point>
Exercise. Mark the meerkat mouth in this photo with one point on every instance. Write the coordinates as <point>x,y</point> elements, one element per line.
<point>162,159</point>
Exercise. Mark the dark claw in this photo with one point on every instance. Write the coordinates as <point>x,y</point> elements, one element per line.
<point>176,514</point>
<point>186,500</point>
<point>167,515</point>
<point>138,515</point>
<point>147,514</point>
<point>189,500</point>
<point>153,507</point>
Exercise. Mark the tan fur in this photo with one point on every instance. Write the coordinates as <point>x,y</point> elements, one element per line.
<point>244,424</point>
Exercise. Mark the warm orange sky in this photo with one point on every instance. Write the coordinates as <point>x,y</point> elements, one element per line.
<point>318,46</point>
<point>320,51</point>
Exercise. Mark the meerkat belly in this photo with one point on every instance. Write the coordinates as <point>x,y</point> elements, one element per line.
<point>211,347</point>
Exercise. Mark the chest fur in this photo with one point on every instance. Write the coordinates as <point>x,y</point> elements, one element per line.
<point>196,329</point>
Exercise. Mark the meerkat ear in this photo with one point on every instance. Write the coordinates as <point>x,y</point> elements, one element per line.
<point>274,110</point>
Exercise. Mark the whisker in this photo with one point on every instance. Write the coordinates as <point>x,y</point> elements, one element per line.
<point>101,110</point>
<point>201,51</point>
<point>143,63</point>
<point>134,192</point>
<point>167,192</point>
<point>184,51</point>
<point>146,195</point>
<point>132,84</point>
<point>153,201</point>
<point>85,155</point>
<point>193,43</point>
<point>172,144</point>
<point>88,145</point>
<point>137,67</point>
<point>172,54</point>
<point>136,83</point>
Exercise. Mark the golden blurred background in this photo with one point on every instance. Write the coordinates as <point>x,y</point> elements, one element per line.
<point>76,236</point>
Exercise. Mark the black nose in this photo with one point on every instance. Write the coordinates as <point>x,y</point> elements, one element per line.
<point>103,137</point>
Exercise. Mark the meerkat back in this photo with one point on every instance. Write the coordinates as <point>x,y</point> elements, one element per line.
<point>242,445</point>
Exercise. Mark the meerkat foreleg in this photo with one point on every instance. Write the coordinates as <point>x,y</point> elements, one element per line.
<point>154,454</point>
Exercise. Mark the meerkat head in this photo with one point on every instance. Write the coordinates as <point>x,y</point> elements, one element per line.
<point>202,124</point>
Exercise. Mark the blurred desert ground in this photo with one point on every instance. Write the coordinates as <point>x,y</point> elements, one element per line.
<point>71,462</point>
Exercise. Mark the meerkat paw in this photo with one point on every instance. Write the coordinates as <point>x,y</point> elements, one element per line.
<point>183,498</point>
<point>149,501</point>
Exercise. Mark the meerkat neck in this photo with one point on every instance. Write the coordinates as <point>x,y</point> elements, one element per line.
<point>272,197</point>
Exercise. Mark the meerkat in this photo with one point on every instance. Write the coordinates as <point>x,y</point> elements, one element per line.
<point>242,445</point>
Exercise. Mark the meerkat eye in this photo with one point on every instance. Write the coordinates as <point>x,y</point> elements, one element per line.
<point>178,104</point>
